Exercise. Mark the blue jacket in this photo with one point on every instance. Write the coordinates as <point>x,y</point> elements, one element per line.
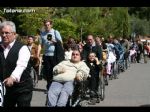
<point>118,50</point>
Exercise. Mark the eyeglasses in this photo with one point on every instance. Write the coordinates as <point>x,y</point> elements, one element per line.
<point>6,33</point>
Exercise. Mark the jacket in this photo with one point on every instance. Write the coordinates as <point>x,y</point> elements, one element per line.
<point>71,70</point>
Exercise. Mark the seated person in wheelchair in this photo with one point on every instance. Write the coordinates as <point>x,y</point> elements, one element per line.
<point>95,66</point>
<point>111,58</point>
<point>63,78</point>
<point>132,55</point>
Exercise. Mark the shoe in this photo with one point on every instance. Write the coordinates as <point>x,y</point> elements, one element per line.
<point>97,100</point>
<point>92,101</point>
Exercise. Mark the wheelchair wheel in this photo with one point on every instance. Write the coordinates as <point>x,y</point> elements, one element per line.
<point>118,68</point>
<point>106,77</point>
<point>115,71</point>
<point>101,88</point>
<point>126,64</point>
<point>34,76</point>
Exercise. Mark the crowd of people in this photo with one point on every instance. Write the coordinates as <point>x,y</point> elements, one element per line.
<point>63,62</point>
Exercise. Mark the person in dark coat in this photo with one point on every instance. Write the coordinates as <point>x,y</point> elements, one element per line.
<point>94,64</point>
<point>139,50</point>
<point>91,46</point>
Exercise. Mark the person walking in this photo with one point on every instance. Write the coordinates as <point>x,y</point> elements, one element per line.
<point>34,55</point>
<point>15,68</point>
<point>48,40</point>
<point>139,50</point>
<point>145,52</point>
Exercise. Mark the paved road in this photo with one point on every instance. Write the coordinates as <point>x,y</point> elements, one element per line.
<point>131,89</point>
<point>39,96</point>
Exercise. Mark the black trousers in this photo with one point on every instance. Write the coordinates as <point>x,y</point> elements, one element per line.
<point>19,95</point>
<point>93,85</point>
<point>49,63</point>
<point>138,57</point>
<point>21,100</point>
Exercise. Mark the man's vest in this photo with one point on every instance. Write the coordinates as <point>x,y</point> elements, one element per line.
<point>8,65</point>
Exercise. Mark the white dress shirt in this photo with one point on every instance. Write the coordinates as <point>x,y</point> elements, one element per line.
<point>0,38</point>
<point>23,58</point>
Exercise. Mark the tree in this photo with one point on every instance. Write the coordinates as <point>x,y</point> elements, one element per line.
<point>126,24</point>
<point>143,13</point>
<point>66,28</point>
<point>81,21</point>
<point>30,22</point>
<point>86,18</point>
<point>120,21</point>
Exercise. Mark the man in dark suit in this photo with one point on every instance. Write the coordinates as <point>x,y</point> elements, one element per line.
<point>91,46</point>
<point>14,68</point>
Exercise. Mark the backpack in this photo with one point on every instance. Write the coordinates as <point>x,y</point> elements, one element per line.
<point>2,93</point>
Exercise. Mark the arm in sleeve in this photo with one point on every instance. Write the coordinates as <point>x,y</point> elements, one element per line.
<point>22,62</point>
<point>84,52</point>
<point>58,68</point>
<point>58,36</point>
<point>83,71</point>
<point>99,53</point>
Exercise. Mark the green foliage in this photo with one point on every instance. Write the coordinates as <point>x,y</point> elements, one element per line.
<point>140,12</point>
<point>30,22</point>
<point>78,22</point>
<point>66,28</point>
<point>86,18</point>
<point>140,20</point>
<point>121,22</point>
<point>1,11</point>
<point>139,26</point>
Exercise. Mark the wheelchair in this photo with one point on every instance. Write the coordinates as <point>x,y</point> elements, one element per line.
<point>2,93</point>
<point>81,94</point>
